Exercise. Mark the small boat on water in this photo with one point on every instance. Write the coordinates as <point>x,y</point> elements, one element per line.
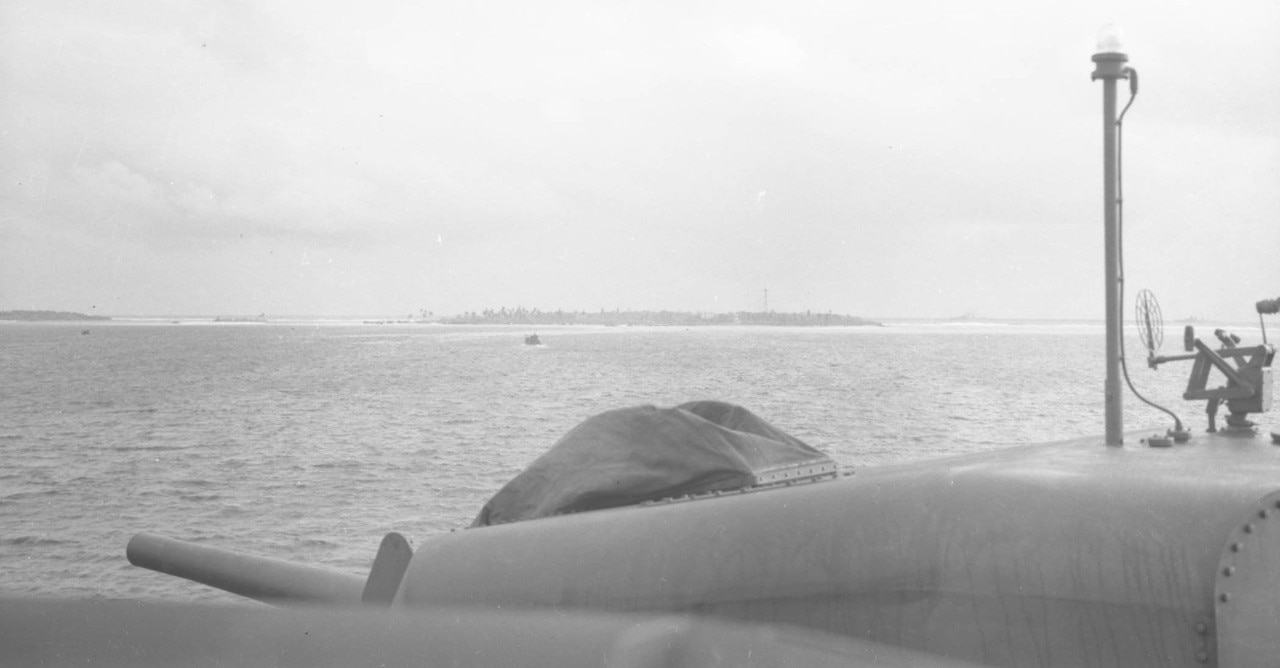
<point>701,536</point>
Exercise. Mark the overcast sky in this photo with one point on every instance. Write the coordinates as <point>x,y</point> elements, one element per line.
<point>887,159</point>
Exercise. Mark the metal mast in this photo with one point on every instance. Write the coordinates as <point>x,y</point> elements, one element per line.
<point>1109,67</point>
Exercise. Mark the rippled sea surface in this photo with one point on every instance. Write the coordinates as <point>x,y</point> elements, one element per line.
<point>308,441</point>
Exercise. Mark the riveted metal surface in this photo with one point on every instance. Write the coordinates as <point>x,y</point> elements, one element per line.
<point>1067,554</point>
<point>1247,589</point>
<point>1205,648</point>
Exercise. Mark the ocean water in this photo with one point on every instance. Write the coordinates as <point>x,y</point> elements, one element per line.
<point>309,441</point>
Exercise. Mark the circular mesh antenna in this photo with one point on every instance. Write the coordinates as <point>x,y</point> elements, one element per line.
<point>1150,322</point>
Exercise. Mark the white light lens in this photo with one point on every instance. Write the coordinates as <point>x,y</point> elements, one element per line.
<point>1111,39</point>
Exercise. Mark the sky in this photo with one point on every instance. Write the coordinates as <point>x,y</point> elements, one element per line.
<point>887,160</point>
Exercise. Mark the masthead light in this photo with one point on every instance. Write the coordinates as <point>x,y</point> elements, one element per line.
<point>1110,39</point>
<point>1110,57</point>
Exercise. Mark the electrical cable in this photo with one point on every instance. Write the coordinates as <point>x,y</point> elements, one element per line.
<point>1124,366</point>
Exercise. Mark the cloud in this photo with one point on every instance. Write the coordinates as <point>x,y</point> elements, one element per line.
<point>660,156</point>
<point>760,49</point>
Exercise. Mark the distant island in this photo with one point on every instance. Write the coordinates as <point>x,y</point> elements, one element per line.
<point>522,316</point>
<point>44,316</point>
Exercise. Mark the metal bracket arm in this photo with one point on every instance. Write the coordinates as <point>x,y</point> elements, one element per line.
<point>1206,359</point>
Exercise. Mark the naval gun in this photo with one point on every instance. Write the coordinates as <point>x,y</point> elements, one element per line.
<point>1062,554</point>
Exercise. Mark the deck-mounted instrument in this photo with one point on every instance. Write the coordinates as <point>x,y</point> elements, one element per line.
<point>1151,332</point>
<point>1244,370</point>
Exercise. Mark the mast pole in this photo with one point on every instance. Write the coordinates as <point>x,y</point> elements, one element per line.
<point>1110,67</point>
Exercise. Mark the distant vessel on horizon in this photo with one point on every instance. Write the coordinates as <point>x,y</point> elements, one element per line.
<point>262,317</point>
<point>971,316</point>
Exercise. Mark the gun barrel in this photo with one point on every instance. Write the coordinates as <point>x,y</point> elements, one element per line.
<point>261,578</point>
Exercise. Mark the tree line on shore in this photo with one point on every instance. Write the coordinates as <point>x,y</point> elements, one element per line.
<point>523,316</point>
<point>42,316</point>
